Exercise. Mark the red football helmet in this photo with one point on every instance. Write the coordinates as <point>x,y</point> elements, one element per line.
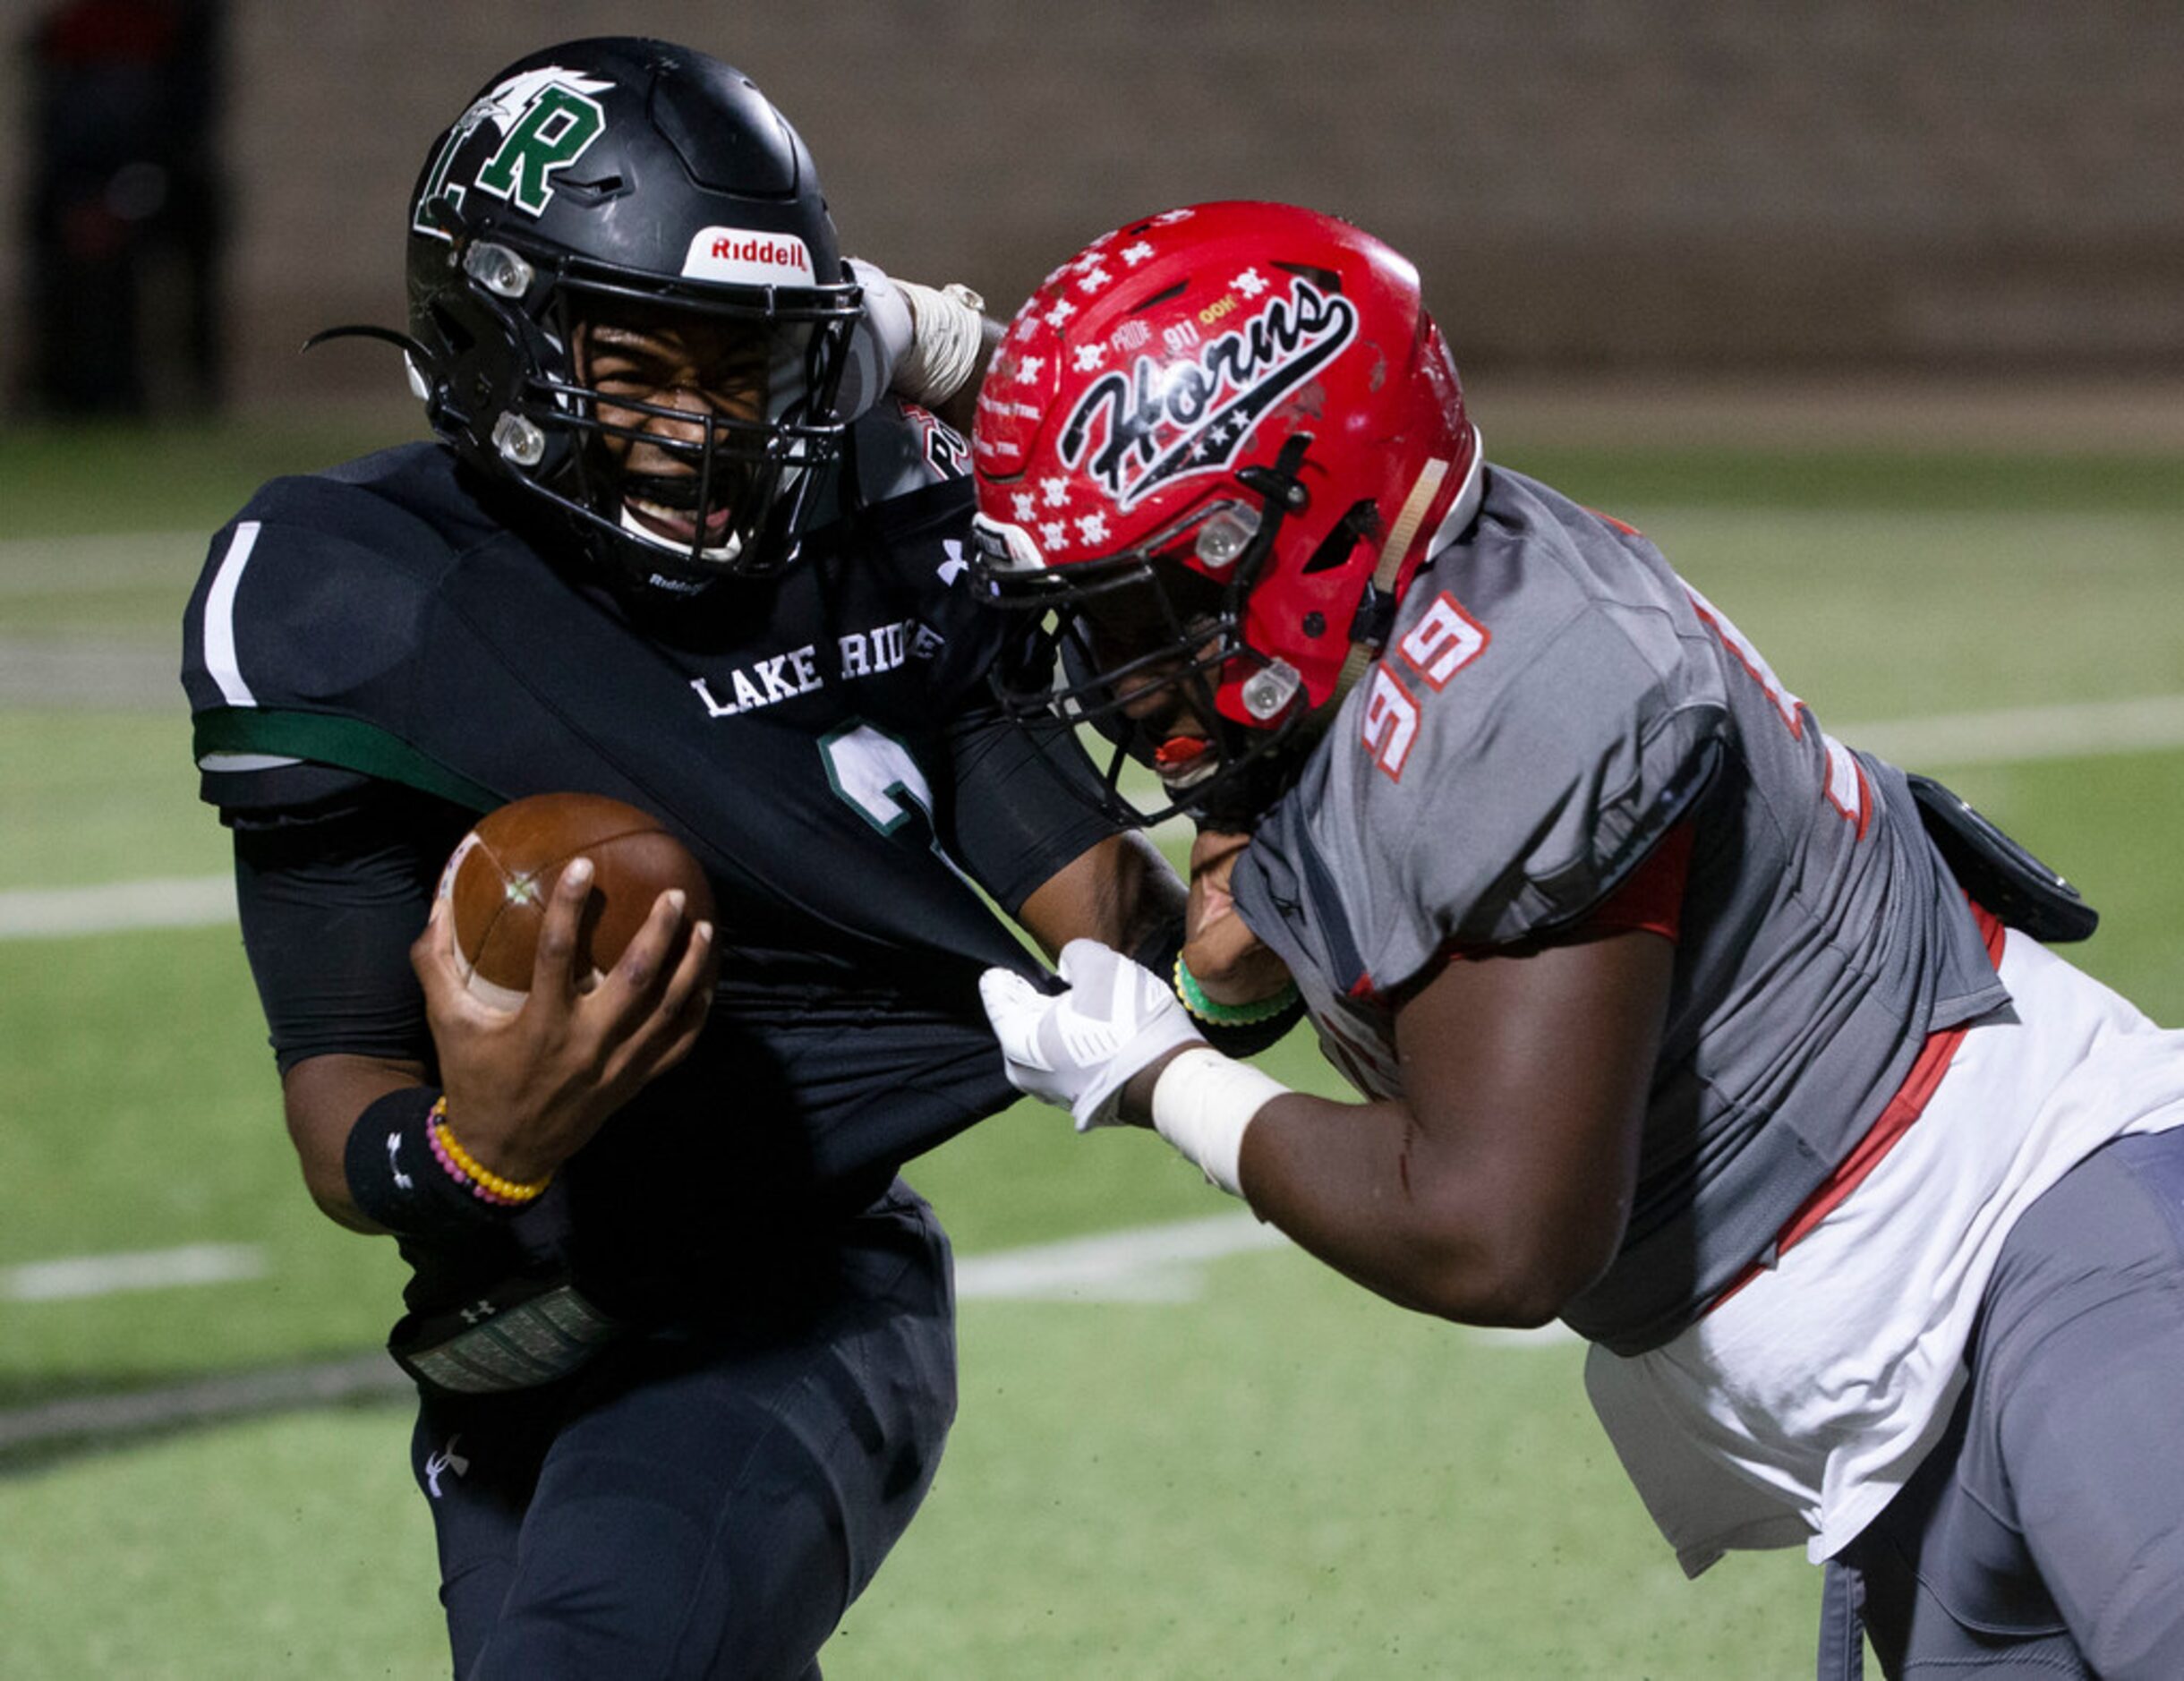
<point>1213,447</point>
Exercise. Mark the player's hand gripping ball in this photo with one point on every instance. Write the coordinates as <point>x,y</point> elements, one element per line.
<point>501,879</point>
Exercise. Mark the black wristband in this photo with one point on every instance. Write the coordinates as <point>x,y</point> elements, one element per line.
<point>395,1181</point>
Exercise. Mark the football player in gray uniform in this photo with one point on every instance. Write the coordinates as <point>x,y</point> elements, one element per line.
<point>1737,1049</point>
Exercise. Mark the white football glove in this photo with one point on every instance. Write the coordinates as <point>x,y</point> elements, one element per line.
<point>1077,1049</point>
<point>917,341</point>
<point>881,340</point>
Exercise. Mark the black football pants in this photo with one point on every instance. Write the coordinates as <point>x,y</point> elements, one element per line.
<point>699,1504</point>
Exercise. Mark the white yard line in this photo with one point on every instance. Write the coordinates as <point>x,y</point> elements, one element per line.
<point>99,673</point>
<point>82,565</point>
<point>1157,1263</point>
<point>1153,1263</point>
<point>84,1276</point>
<point>175,902</point>
<point>2081,729</point>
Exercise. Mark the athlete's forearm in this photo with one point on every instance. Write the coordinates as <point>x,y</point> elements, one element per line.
<point>1360,1188</point>
<point>1121,893</point>
<point>323,1096</point>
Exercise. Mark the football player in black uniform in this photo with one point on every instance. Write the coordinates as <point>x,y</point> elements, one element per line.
<point>683,1339</point>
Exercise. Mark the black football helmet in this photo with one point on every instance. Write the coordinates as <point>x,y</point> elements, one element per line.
<point>621,177</point>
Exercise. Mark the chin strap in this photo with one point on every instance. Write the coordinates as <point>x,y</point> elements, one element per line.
<point>1401,534</point>
<point>385,334</point>
<point>415,358</point>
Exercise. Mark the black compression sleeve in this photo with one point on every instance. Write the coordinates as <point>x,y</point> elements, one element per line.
<point>1024,804</point>
<point>329,903</point>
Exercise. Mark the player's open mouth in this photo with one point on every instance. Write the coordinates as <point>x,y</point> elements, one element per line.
<point>675,526</point>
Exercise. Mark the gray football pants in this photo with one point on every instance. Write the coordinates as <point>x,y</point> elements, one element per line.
<point>2045,1535</point>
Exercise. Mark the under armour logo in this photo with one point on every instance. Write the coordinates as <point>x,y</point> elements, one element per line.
<point>394,1162</point>
<point>446,1459</point>
<point>481,1308</point>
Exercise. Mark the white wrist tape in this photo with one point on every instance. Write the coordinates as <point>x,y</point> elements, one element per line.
<point>1202,1103</point>
<point>948,332</point>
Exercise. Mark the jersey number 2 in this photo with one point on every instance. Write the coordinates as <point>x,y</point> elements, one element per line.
<point>875,774</point>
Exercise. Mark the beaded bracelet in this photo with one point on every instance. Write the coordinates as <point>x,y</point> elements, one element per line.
<point>1204,1009</point>
<point>447,1162</point>
<point>465,1169</point>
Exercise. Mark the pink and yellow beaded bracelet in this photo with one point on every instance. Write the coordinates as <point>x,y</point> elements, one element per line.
<point>468,1171</point>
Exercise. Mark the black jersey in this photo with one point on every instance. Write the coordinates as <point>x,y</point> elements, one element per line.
<point>377,653</point>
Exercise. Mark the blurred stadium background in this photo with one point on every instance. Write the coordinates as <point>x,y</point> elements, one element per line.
<point>1829,187</point>
<point>1873,314</point>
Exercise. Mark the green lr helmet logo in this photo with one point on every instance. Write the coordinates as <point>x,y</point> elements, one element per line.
<point>553,132</point>
<point>545,124</point>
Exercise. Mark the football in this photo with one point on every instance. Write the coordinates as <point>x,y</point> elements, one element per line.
<point>501,877</point>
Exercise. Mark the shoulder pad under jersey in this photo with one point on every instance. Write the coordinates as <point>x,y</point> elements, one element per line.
<point>310,598</point>
<point>1547,706</point>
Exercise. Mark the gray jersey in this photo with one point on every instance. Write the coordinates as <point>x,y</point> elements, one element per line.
<point>1554,699</point>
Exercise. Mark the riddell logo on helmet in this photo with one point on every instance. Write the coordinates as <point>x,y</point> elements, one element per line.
<point>738,256</point>
<point>728,248</point>
<point>1189,412</point>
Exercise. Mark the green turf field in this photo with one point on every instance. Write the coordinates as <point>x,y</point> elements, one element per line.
<point>1268,1473</point>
